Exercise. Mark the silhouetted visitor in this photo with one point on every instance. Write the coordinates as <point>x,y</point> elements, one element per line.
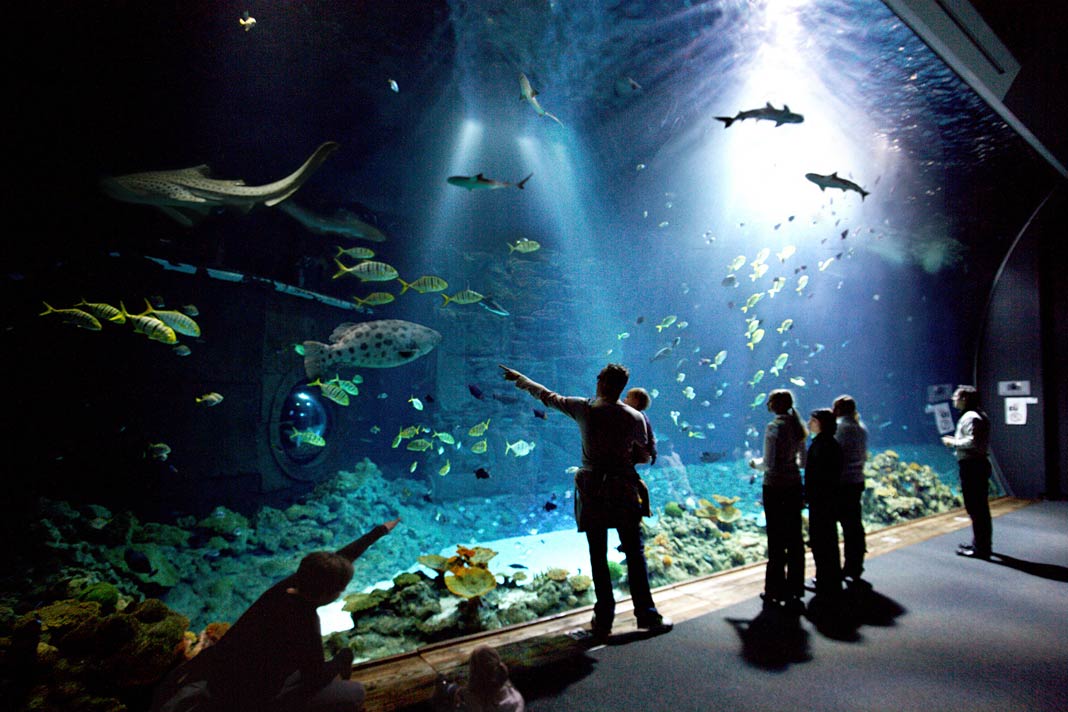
<point>608,489</point>
<point>488,688</point>
<point>784,456</point>
<point>271,659</point>
<point>853,437</point>
<point>971,444</point>
<point>823,471</point>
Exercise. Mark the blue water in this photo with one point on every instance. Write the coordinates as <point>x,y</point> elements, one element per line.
<point>640,200</point>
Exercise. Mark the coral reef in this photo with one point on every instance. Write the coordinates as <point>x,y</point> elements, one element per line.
<point>897,491</point>
<point>74,655</point>
<point>212,568</point>
<point>89,569</point>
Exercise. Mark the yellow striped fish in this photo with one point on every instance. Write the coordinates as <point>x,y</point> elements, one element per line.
<point>332,391</point>
<point>467,296</point>
<point>74,317</point>
<point>307,437</point>
<point>150,326</point>
<point>426,283</point>
<point>348,386</point>
<point>368,271</point>
<point>479,429</point>
<point>356,253</point>
<point>102,311</point>
<point>374,299</point>
<point>181,323</point>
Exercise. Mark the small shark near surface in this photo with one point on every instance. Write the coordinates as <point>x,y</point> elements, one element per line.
<point>480,182</point>
<point>343,222</point>
<point>833,181</point>
<point>527,94</point>
<point>190,194</point>
<point>765,113</point>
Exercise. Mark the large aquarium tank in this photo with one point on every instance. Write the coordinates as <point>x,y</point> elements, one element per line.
<point>263,261</point>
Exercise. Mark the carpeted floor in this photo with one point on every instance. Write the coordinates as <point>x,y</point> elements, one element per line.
<point>939,632</point>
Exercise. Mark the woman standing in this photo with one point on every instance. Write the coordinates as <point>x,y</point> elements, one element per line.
<point>971,443</point>
<point>823,471</point>
<point>784,456</point>
<point>853,437</point>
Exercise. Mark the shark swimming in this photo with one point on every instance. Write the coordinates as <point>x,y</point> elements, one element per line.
<point>765,113</point>
<point>480,182</point>
<point>342,222</point>
<point>190,194</point>
<point>833,181</point>
<point>527,94</point>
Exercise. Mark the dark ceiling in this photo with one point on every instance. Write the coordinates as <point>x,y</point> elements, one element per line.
<point>1035,32</point>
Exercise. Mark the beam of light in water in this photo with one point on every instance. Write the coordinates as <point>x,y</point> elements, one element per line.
<point>569,210</point>
<point>764,184</point>
<point>449,198</point>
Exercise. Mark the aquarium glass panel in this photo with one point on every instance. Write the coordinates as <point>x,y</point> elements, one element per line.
<point>342,217</point>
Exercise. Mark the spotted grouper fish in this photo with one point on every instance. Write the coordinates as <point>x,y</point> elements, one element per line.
<point>372,344</point>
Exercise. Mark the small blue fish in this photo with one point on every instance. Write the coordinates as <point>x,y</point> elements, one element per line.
<point>540,414</point>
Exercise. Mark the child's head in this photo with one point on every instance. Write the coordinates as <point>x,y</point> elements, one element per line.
<point>486,673</point>
<point>322,576</point>
<point>637,398</point>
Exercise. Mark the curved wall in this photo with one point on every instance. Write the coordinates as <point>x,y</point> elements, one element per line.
<point>1019,361</point>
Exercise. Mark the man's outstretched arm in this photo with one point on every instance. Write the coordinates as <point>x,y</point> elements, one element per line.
<point>355,549</point>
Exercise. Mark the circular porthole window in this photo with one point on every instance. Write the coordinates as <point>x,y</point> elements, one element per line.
<point>303,425</point>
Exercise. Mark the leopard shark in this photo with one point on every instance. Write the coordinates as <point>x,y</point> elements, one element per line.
<point>190,194</point>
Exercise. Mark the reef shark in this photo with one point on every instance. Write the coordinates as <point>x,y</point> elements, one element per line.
<point>190,194</point>
<point>480,182</point>
<point>833,181</point>
<point>765,113</point>
<point>527,94</point>
<point>343,222</point>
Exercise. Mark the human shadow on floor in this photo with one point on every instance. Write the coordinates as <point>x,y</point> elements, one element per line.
<point>553,679</point>
<point>773,640</point>
<point>1053,572</point>
<point>841,617</point>
<point>873,608</point>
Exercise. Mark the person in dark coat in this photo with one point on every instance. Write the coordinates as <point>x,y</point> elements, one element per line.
<point>823,471</point>
<point>852,435</point>
<point>783,495</point>
<point>608,488</point>
<point>272,657</point>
